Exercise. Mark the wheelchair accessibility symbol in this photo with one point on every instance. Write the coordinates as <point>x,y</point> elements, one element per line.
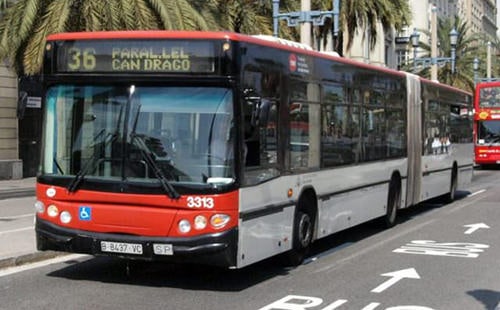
<point>85,213</point>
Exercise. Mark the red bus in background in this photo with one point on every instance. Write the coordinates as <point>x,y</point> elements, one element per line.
<point>487,123</point>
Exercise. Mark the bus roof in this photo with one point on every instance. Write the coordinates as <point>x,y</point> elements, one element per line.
<point>225,35</point>
<point>488,84</point>
<point>211,35</point>
<point>427,81</point>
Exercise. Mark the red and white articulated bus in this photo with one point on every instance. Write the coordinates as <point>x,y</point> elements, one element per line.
<point>225,149</point>
<point>487,123</point>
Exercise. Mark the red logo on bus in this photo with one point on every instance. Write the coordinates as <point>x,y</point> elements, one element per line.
<point>292,60</point>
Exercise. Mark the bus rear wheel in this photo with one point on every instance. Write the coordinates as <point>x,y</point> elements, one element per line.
<point>450,197</point>
<point>393,202</point>
<point>302,238</point>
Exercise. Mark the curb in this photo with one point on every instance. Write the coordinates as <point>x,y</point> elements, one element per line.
<point>29,258</point>
<point>16,193</point>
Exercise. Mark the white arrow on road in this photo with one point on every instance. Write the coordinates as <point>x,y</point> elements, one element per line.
<point>474,227</point>
<point>409,273</point>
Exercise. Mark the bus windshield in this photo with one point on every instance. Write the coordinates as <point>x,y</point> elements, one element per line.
<point>140,133</point>
<point>488,132</point>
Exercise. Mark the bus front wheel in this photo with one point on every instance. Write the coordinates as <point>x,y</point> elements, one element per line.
<point>302,237</point>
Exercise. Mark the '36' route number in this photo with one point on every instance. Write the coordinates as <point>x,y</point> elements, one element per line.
<point>200,202</point>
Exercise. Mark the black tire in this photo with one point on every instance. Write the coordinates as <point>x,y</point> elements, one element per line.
<point>41,243</point>
<point>302,238</point>
<point>393,202</point>
<point>451,196</point>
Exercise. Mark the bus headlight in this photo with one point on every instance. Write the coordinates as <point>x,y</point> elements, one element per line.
<point>39,207</point>
<point>52,211</point>
<point>65,217</point>
<point>200,222</point>
<point>219,220</point>
<point>184,226</point>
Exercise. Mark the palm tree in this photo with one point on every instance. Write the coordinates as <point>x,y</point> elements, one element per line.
<point>364,14</point>
<point>242,16</point>
<point>26,23</point>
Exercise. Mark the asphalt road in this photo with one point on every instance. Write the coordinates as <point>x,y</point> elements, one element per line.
<point>437,257</point>
<point>17,235</point>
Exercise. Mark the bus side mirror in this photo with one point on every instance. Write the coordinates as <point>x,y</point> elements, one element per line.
<point>22,101</point>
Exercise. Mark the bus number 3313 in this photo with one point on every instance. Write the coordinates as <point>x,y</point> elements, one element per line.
<point>200,202</point>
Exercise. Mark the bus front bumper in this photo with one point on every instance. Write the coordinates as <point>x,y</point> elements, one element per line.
<point>214,249</point>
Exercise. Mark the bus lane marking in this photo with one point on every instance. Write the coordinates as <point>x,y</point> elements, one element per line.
<point>396,276</point>
<point>452,249</point>
<point>298,302</point>
<point>363,250</point>
<point>474,227</point>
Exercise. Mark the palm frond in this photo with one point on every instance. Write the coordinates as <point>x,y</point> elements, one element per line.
<point>92,14</point>
<point>144,18</point>
<point>186,17</point>
<point>127,15</point>
<point>111,15</point>
<point>53,21</point>
<point>16,26</point>
<point>161,9</point>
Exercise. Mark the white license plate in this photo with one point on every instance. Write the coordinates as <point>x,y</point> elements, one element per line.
<point>121,247</point>
<point>163,249</point>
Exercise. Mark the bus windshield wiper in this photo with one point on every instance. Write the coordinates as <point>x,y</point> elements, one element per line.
<point>146,155</point>
<point>92,162</point>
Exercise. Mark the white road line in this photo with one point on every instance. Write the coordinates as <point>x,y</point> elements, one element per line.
<point>7,218</point>
<point>477,193</point>
<point>16,230</point>
<point>56,260</point>
<point>363,251</point>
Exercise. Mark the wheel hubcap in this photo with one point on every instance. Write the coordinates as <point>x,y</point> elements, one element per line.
<point>305,230</point>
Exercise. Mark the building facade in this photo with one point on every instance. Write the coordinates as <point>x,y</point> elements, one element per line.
<point>10,164</point>
<point>480,15</point>
<point>393,49</point>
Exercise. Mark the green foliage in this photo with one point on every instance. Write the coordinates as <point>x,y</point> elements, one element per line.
<point>361,14</point>
<point>26,23</point>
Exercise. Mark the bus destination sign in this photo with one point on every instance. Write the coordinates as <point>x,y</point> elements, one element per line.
<point>149,56</point>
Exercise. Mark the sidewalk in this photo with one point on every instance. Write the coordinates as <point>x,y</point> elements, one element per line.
<point>17,236</point>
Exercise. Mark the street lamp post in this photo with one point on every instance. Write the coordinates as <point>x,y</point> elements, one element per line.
<point>488,60</point>
<point>453,44</point>
<point>477,79</point>
<point>430,61</point>
<point>476,68</point>
<point>434,43</point>
<point>415,38</point>
<point>317,18</point>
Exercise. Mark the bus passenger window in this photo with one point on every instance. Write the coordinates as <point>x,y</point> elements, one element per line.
<point>260,153</point>
<point>260,116</point>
